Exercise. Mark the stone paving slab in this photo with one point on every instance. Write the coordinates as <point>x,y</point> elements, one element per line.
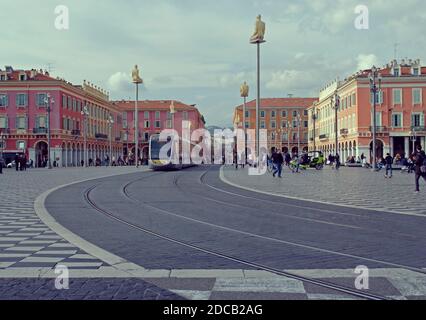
<point>350,187</point>
<point>25,241</point>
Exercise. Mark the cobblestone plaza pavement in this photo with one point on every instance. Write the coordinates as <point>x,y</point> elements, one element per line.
<point>352,187</point>
<point>30,250</point>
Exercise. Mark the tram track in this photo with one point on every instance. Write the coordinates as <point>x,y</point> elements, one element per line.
<point>325,284</point>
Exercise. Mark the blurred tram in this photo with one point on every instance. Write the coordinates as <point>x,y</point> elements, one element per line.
<point>166,163</point>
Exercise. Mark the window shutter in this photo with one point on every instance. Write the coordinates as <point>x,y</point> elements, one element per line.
<point>422,120</point>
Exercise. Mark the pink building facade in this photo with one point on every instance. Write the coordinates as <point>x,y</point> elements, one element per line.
<point>400,113</point>
<point>23,119</point>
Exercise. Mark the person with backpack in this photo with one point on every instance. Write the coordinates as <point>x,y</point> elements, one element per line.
<point>420,163</point>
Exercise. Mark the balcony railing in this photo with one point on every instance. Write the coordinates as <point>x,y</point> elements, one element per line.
<point>76,132</point>
<point>344,132</point>
<point>39,130</point>
<point>417,129</point>
<point>4,131</point>
<point>379,129</point>
<point>101,136</point>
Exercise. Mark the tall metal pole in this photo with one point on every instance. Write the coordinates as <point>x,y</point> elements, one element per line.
<point>298,133</point>
<point>85,141</point>
<point>110,144</point>
<point>48,132</point>
<point>258,107</point>
<point>314,118</point>
<point>136,127</point>
<point>244,129</point>
<point>335,100</point>
<point>288,136</point>
<point>374,128</point>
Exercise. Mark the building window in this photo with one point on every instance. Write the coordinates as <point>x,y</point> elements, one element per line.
<point>169,124</point>
<point>74,105</point>
<point>185,115</point>
<point>305,113</point>
<point>21,100</point>
<point>416,72</point>
<point>41,122</point>
<point>295,123</point>
<point>146,136</point>
<point>4,100</point>
<point>353,99</point>
<point>305,124</point>
<point>262,114</point>
<point>417,120</point>
<point>146,124</point>
<point>247,114</point>
<point>157,124</point>
<point>20,145</point>
<point>21,122</point>
<point>273,136</point>
<point>273,124</point>
<point>273,114</point>
<point>285,136</point>
<point>3,122</point>
<point>295,136</point>
<point>262,124</point>
<point>397,120</point>
<point>396,72</point>
<point>378,119</point>
<point>417,96</point>
<point>40,99</point>
<point>146,115</point>
<point>295,113</point>
<point>157,115</point>
<point>284,114</point>
<point>397,96</point>
<point>283,124</point>
<point>64,101</point>
<point>247,125</point>
<point>69,102</point>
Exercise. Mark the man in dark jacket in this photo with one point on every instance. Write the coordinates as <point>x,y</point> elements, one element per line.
<point>278,160</point>
<point>17,160</point>
<point>419,161</point>
<point>388,163</point>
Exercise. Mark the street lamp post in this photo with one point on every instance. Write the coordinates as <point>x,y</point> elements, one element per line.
<point>137,80</point>
<point>172,113</point>
<point>244,91</point>
<point>110,124</point>
<point>85,114</point>
<point>48,101</point>
<point>414,139</point>
<point>299,120</point>
<point>375,88</point>
<point>314,119</point>
<point>258,38</point>
<point>288,136</point>
<point>335,103</point>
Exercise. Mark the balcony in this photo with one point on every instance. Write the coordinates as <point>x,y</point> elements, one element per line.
<point>418,129</point>
<point>76,132</point>
<point>39,130</point>
<point>118,139</point>
<point>4,131</point>
<point>101,136</point>
<point>379,129</point>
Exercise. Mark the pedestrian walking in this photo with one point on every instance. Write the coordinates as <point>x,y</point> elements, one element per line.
<point>337,161</point>
<point>420,163</point>
<point>388,163</point>
<point>1,165</point>
<point>277,160</point>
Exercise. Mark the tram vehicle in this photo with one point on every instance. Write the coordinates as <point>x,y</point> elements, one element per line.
<point>157,163</point>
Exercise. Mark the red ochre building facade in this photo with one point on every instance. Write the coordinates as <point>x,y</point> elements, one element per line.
<point>23,119</point>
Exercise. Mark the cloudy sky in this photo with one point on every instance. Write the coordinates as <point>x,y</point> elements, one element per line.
<point>197,51</point>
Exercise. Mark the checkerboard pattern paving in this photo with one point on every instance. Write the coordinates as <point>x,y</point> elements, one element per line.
<point>25,241</point>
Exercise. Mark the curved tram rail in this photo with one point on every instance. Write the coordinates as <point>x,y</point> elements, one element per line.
<point>321,283</point>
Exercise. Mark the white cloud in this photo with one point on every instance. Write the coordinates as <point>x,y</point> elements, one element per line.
<point>120,81</point>
<point>366,61</point>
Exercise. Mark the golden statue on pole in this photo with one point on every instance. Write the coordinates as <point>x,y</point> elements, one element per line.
<point>259,32</point>
<point>135,75</point>
<point>244,90</point>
